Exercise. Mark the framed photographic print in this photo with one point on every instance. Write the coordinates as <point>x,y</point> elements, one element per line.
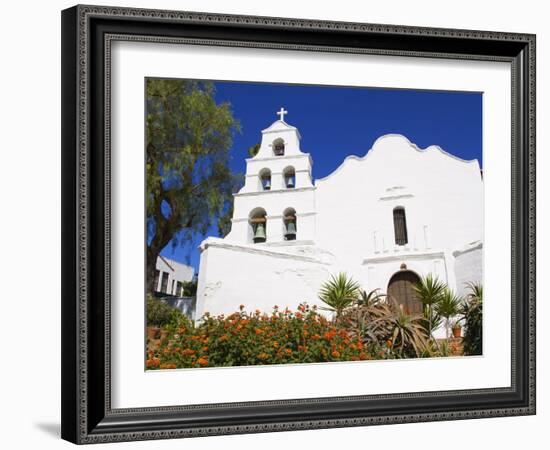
<point>282,224</point>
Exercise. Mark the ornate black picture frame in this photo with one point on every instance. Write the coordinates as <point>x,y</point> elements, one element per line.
<point>87,34</point>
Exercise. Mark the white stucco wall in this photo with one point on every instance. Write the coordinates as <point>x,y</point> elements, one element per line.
<point>259,276</point>
<point>468,267</point>
<point>442,197</point>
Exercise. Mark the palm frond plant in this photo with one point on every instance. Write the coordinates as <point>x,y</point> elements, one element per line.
<point>339,293</point>
<point>472,312</point>
<point>448,307</point>
<point>429,291</point>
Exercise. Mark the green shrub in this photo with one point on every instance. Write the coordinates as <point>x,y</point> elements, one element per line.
<point>472,311</point>
<point>160,314</point>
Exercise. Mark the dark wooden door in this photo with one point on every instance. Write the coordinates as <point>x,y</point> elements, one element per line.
<point>400,288</point>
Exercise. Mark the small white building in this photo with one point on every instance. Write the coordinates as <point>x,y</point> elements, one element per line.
<point>170,276</point>
<point>386,219</point>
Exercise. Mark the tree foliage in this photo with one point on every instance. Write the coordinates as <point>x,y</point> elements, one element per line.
<point>189,184</point>
<point>472,311</point>
<point>253,151</point>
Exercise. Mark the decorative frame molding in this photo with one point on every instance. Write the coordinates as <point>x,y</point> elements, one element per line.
<point>87,34</point>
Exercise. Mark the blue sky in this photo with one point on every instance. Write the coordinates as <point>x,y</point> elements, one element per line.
<point>335,122</point>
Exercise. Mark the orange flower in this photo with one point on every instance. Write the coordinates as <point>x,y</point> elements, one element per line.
<point>222,338</point>
<point>204,349</point>
<point>299,315</point>
<point>258,331</point>
<point>168,366</point>
<point>263,356</point>
<point>188,352</point>
<point>152,362</point>
<point>389,343</point>
<point>288,351</point>
<point>335,354</point>
<point>203,361</point>
<point>275,344</point>
<point>329,335</point>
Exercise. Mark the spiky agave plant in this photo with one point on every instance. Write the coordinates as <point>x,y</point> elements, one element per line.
<point>339,293</point>
<point>370,298</point>
<point>429,291</point>
<point>407,333</point>
<point>359,318</point>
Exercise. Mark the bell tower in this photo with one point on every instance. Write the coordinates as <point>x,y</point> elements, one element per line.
<point>277,202</point>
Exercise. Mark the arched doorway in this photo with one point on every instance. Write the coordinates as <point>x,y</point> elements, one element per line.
<point>400,288</point>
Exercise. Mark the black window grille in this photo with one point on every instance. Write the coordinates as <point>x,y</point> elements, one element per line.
<point>400,226</point>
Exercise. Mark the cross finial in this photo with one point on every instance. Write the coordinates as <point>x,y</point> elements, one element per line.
<point>282,113</point>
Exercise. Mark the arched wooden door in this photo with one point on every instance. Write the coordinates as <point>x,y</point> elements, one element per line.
<point>400,288</point>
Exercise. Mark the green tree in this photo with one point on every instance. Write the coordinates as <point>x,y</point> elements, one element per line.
<point>339,293</point>
<point>253,151</point>
<point>472,311</point>
<point>189,185</point>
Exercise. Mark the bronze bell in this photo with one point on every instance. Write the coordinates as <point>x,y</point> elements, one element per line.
<point>259,233</point>
<point>290,233</point>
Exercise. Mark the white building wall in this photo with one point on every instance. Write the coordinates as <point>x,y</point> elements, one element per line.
<point>468,267</point>
<point>176,272</point>
<point>442,197</point>
<point>258,276</point>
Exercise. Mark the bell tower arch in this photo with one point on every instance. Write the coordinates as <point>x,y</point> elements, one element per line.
<point>278,180</point>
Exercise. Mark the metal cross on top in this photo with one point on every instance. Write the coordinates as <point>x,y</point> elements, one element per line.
<point>282,113</point>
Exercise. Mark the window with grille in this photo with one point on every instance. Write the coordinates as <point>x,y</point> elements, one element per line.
<point>164,282</point>
<point>400,226</point>
<point>156,282</point>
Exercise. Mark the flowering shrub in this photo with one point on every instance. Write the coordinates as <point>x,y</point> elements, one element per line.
<point>244,338</point>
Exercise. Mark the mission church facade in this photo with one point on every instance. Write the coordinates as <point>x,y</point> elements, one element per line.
<point>387,218</point>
